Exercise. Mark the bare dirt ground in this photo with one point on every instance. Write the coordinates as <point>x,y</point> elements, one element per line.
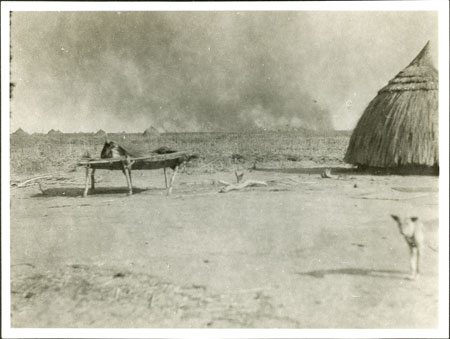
<point>304,252</point>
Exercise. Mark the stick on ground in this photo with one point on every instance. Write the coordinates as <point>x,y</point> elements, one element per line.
<point>247,183</point>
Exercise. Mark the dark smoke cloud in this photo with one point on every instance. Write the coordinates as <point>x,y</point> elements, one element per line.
<point>176,70</point>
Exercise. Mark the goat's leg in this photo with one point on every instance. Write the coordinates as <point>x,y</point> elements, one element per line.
<point>86,186</point>
<point>413,262</point>
<point>419,251</point>
<point>93,179</point>
<point>169,190</point>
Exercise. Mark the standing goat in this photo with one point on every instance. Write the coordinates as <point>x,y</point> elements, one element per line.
<point>412,230</point>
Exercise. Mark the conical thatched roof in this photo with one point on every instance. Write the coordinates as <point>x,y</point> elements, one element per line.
<point>151,131</point>
<point>100,132</point>
<point>20,132</point>
<point>399,127</point>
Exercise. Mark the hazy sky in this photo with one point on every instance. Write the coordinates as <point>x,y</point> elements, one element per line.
<point>82,71</point>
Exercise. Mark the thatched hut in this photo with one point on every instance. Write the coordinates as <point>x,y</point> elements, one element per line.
<point>399,127</point>
<point>53,132</point>
<point>20,133</point>
<point>151,131</point>
<point>100,133</point>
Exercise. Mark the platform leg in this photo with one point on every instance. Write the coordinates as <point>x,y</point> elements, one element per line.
<point>165,176</point>
<point>172,179</point>
<point>131,179</point>
<point>93,179</point>
<point>127,172</point>
<point>86,186</point>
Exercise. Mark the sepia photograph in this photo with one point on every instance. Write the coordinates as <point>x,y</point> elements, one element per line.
<point>215,167</point>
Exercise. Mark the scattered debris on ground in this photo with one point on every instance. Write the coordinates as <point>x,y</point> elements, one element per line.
<point>327,174</point>
<point>235,187</point>
<point>48,179</point>
<point>93,296</point>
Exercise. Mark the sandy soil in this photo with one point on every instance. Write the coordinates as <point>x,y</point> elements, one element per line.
<point>304,252</point>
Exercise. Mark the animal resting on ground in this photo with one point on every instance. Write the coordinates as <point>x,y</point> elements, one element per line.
<point>412,230</point>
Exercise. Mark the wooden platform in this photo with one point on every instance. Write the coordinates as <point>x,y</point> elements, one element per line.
<point>125,164</point>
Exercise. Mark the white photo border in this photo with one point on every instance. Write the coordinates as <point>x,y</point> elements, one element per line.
<point>440,6</point>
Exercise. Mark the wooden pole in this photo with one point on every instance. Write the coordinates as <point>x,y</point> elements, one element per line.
<point>93,179</point>
<point>86,186</point>
<point>169,190</point>
<point>248,183</point>
<point>127,171</point>
<point>131,179</point>
<point>165,177</point>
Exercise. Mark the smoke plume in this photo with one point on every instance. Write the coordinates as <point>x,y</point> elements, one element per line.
<point>186,71</point>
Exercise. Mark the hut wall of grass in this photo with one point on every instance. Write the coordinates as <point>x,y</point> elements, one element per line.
<point>399,128</point>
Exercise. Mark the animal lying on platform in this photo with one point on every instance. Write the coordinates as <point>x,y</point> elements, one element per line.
<point>112,149</point>
<point>412,230</point>
<point>164,150</point>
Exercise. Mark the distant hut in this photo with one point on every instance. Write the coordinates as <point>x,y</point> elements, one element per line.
<point>151,131</point>
<point>20,133</point>
<point>53,132</point>
<point>100,133</point>
<point>399,127</point>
